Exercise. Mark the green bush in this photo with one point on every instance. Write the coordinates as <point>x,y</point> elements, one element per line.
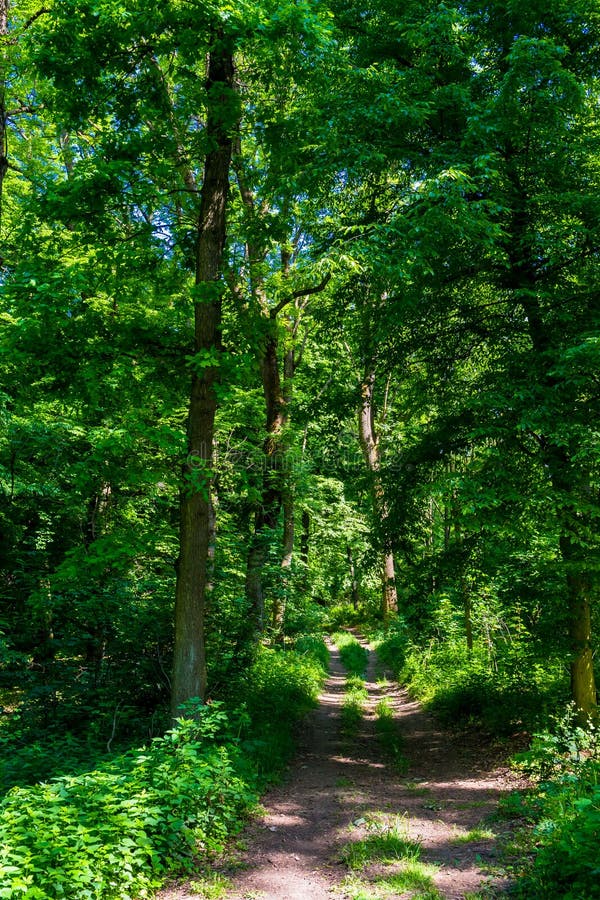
<point>343,614</point>
<point>353,655</point>
<point>115,832</point>
<point>391,646</point>
<point>313,645</point>
<point>566,811</point>
<point>279,688</point>
<point>118,831</point>
<point>511,691</point>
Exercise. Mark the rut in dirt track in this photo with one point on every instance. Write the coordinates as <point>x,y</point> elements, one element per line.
<point>336,789</point>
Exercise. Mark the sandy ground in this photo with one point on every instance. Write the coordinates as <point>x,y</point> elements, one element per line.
<point>337,788</point>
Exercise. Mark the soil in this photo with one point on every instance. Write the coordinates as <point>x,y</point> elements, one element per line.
<point>340,789</point>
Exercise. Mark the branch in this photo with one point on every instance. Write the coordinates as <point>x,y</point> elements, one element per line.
<point>29,23</point>
<point>301,292</point>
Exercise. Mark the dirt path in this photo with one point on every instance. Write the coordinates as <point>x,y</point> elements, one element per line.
<point>338,789</point>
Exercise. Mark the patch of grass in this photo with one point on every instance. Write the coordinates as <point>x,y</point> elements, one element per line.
<point>351,715</point>
<point>353,655</point>
<point>387,844</point>
<point>416,877</point>
<point>344,782</point>
<point>356,889</point>
<point>474,835</point>
<point>472,804</point>
<point>211,886</point>
<point>353,705</point>
<point>417,789</point>
<point>387,732</point>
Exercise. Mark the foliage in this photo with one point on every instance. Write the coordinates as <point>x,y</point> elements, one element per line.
<point>278,689</point>
<point>116,831</point>
<point>313,645</point>
<point>353,655</point>
<point>414,197</point>
<point>119,830</point>
<point>510,692</point>
<point>564,806</point>
<point>391,646</point>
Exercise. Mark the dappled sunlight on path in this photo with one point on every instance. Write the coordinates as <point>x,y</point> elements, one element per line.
<point>340,789</point>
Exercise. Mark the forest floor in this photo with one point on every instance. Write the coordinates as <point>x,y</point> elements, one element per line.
<point>342,789</point>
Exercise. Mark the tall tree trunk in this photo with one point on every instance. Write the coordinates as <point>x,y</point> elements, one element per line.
<point>370,448</point>
<point>267,513</point>
<point>305,545</point>
<point>353,580</point>
<point>287,492</point>
<point>189,666</point>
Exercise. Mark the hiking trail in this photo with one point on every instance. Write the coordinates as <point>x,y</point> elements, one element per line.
<point>342,789</point>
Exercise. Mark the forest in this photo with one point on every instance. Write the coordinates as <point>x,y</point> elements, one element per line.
<point>299,332</point>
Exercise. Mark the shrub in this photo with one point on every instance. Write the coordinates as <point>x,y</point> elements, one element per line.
<point>391,646</point>
<point>115,831</point>
<point>565,809</point>
<point>510,692</point>
<point>118,831</point>
<point>352,653</point>
<point>313,645</point>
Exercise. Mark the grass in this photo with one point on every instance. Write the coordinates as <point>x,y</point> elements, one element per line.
<point>387,732</point>
<point>211,886</point>
<point>386,844</point>
<point>344,782</point>
<point>417,789</point>
<point>353,655</point>
<point>473,836</point>
<point>353,705</point>
<point>416,877</point>
<point>390,845</point>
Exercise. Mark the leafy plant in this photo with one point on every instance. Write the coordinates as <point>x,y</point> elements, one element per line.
<point>353,655</point>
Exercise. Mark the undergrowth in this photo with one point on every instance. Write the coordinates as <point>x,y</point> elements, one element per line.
<point>560,814</point>
<point>119,830</point>
<point>510,692</point>
<point>355,695</point>
<point>353,655</point>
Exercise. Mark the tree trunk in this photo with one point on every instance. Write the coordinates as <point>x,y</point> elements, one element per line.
<point>267,513</point>
<point>305,545</point>
<point>353,580</point>
<point>189,666</point>
<point>370,448</point>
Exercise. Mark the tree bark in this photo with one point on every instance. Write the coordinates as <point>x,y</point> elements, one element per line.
<point>189,666</point>
<point>267,514</point>
<point>370,448</point>
<point>353,580</point>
